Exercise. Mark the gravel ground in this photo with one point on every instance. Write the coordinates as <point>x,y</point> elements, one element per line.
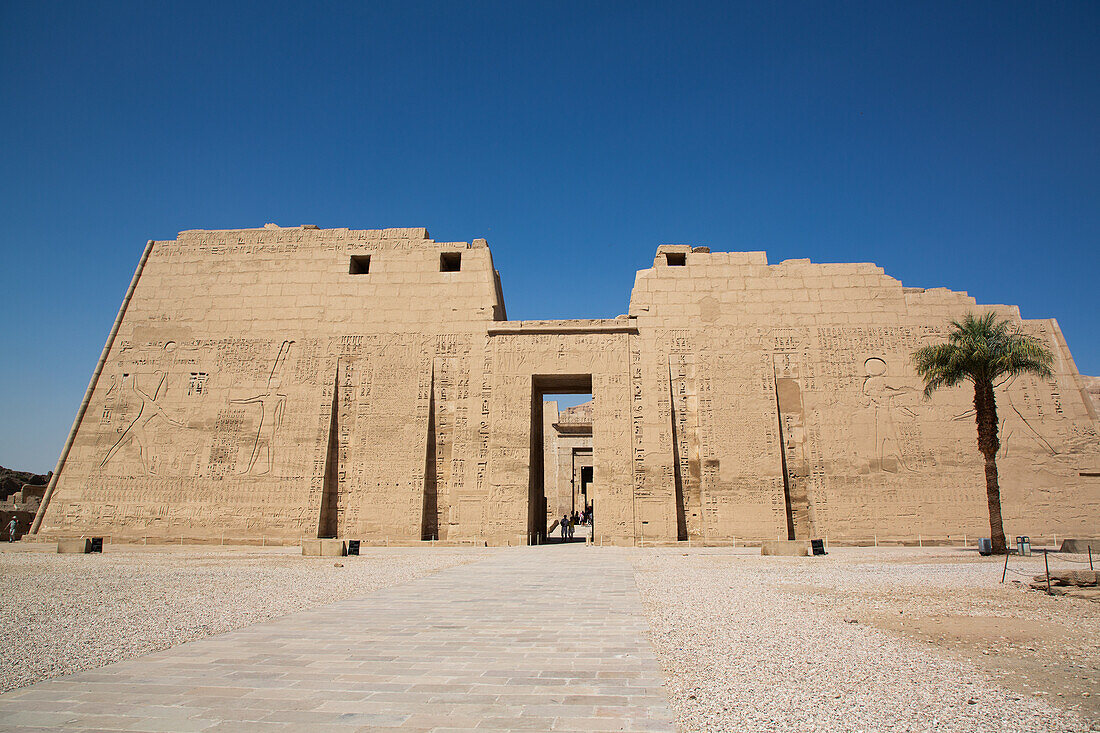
<point>66,613</point>
<point>780,644</point>
<point>861,640</point>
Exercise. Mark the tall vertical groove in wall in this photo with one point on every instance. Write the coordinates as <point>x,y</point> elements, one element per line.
<point>326,522</point>
<point>536,507</point>
<point>687,450</point>
<point>681,516</point>
<point>789,511</point>
<point>792,444</point>
<point>429,524</point>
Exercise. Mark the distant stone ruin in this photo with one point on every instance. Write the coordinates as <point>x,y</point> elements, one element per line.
<point>274,384</point>
<point>20,498</point>
<point>12,481</point>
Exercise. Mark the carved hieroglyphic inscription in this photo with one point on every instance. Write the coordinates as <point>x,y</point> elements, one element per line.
<point>200,435</point>
<point>687,444</point>
<point>792,433</point>
<point>382,423</point>
<point>450,440</point>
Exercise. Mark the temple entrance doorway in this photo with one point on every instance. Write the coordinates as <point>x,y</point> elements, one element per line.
<point>562,465</point>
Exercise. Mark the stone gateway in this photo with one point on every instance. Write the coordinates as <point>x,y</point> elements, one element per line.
<point>276,384</point>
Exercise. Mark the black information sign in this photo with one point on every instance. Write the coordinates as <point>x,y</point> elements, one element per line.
<point>818,547</point>
<point>353,547</point>
<point>97,544</point>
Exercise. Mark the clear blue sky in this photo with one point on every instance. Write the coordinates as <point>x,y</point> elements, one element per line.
<point>954,144</point>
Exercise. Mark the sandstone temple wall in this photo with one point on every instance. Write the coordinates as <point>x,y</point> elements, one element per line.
<point>279,383</point>
<point>807,367</point>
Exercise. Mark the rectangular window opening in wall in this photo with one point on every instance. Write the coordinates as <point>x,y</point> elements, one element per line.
<point>450,261</point>
<point>360,264</point>
<point>676,259</point>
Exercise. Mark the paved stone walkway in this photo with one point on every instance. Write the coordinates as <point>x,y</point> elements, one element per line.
<point>547,639</point>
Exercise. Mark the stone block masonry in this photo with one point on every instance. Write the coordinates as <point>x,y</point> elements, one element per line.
<point>74,545</point>
<point>788,548</point>
<point>279,384</point>
<point>324,548</point>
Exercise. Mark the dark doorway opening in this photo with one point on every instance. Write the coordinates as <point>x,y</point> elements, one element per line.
<point>561,447</point>
<point>586,480</point>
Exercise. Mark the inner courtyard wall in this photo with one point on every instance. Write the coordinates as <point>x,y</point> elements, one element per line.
<point>567,450</point>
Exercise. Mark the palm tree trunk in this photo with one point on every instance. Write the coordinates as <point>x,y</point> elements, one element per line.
<point>985,409</point>
<point>993,498</point>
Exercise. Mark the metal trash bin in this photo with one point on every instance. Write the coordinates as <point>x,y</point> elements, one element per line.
<point>1023,545</point>
<point>985,546</point>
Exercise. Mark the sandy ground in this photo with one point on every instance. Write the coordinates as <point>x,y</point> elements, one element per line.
<point>869,639</point>
<point>66,613</point>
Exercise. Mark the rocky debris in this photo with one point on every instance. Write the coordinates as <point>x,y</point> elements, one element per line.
<point>1076,583</point>
<point>1079,578</point>
<point>20,496</point>
<point>12,481</point>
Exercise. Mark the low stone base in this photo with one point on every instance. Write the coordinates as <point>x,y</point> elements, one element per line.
<point>324,548</point>
<point>1078,578</point>
<point>1076,583</point>
<point>789,548</point>
<point>74,545</point>
<point>1080,546</point>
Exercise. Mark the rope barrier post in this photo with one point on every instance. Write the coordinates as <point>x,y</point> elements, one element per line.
<point>1090,558</point>
<point>1005,571</point>
<point>1046,562</point>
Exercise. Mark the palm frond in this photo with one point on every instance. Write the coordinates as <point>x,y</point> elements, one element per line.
<point>981,349</point>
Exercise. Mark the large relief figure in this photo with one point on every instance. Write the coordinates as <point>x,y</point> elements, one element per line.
<point>272,404</point>
<point>139,432</point>
<point>885,399</point>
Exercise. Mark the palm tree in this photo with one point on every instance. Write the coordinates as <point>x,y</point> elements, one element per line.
<point>985,350</point>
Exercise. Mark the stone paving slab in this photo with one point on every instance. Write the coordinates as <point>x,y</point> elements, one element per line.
<point>547,639</point>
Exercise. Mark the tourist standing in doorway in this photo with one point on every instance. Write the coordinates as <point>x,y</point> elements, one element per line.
<point>564,527</point>
<point>11,530</point>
